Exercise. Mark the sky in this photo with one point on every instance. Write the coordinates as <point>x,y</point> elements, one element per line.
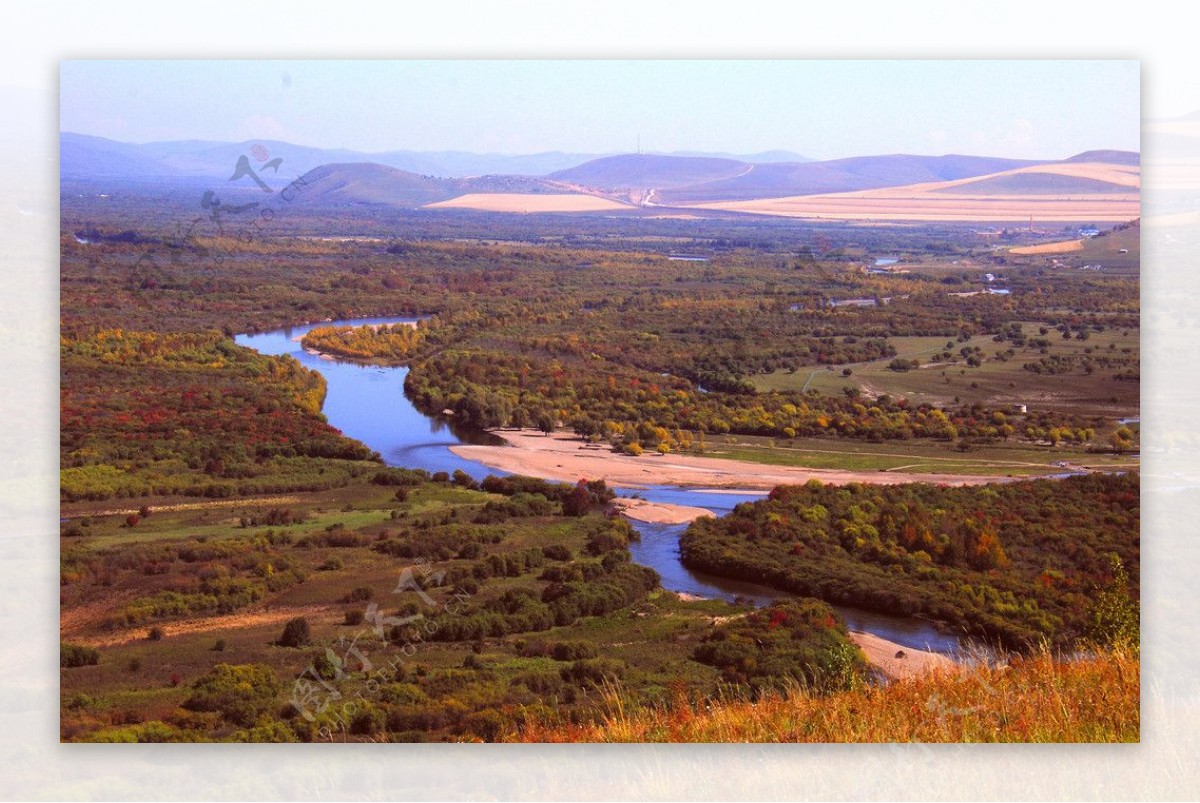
<point>1035,109</point>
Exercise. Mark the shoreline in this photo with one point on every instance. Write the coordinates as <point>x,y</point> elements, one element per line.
<point>897,662</point>
<point>892,660</point>
<point>563,457</point>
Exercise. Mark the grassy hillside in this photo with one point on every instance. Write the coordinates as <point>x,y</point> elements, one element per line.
<point>1040,699</point>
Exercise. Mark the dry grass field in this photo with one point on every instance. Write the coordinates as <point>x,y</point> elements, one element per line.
<point>1038,699</point>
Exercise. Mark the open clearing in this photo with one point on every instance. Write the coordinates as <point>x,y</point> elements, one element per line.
<point>994,382</point>
<point>1015,459</point>
<point>520,203</point>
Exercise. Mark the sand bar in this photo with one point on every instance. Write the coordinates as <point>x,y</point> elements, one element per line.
<point>659,512</point>
<point>565,458</point>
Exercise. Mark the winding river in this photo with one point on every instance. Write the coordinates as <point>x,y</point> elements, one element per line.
<point>367,403</point>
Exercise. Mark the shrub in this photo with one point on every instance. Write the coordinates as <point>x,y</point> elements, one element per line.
<point>557,552</point>
<point>401,477</point>
<point>464,480</point>
<point>296,633</point>
<point>368,722</point>
<point>593,671</point>
<point>541,683</point>
<point>355,616</point>
<point>268,732</point>
<point>360,594</point>
<point>240,693</point>
<point>155,633</point>
<point>572,651</point>
<point>901,364</point>
<point>487,724</point>
<point>73,655</point>
<point>1113,619</point>
<point>219,645</point>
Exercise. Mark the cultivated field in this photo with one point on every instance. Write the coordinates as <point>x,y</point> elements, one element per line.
<point>1064,247</point>
<point>968,200</point>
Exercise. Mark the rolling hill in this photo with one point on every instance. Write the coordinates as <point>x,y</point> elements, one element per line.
<point>348,184</point>
<point>380,185</point>
<point>87,157</point>
<point>96,157</point>
<point>837,175</point>
<point>1094,185</point>
<point>1130,158</point>
<point>650,171</point>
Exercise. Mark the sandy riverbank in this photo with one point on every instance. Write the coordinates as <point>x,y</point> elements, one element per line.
<point>882,654</point>
<point>658,512</point>
<point>565,458</point>
<point>894,661</point>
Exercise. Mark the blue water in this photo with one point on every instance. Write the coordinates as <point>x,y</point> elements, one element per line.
<point>367,403</point>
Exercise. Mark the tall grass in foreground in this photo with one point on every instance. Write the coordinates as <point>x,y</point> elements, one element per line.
<point>1039,698</point>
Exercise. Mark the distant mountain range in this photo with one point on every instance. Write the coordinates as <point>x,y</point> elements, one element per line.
<point>84,156</point>
<point>717,182</point>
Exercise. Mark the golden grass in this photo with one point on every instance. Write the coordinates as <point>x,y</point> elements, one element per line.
<point>1036,699</point>
<point>517,202</point>
<point>1065,247</point>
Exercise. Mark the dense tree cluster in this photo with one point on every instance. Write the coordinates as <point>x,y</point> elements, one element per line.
<point>147,413</point>
<point>802,641</point>
<point>392,343</point>
<point>1015,562</point>
<point>625,406</point>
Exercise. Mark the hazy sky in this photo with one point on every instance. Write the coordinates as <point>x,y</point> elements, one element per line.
<point>822,109</point>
